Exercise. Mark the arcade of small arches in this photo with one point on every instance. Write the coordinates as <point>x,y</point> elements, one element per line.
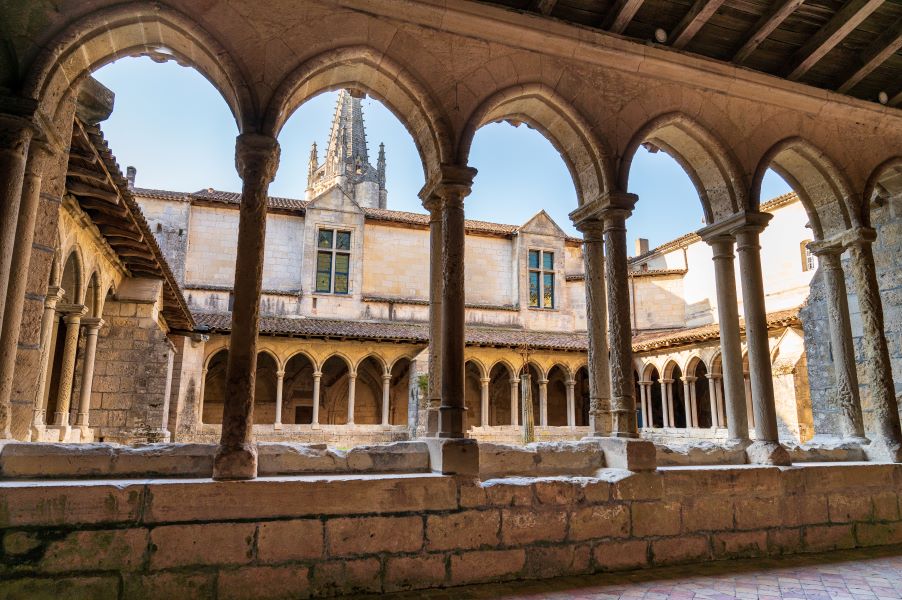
<point>830,161</point>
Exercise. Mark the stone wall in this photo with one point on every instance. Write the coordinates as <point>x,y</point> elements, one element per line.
<point>327,535</point>
<point>170,221</point>
<point>887,220</point>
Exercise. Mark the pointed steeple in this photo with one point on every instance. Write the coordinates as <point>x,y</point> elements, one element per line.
<point>312,165</point>
<point>347,139</point>
<point>380,166</point>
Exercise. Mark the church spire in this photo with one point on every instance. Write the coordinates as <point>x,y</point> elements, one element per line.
<point>312,165</point>
<point>380,166</point>
<point>347,139</point>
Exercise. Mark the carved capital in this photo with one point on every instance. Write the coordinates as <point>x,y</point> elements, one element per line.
<point>15,133</point>
<point>610,205</point>
<point>485,380</point>
<point>317,374</point>
<point>592,230</point>
<point>256,157</point>
<point>859,236</point>
<point>72,309</point>
<point>280,374</point>
<point>92,324</point>
<point>54,295</point>
<point>449,181</point>
<point>745,222</point>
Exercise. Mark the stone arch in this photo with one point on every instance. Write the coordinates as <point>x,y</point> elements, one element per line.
<point>480,366</point>
<point>824,191</point>
<point>692,362</point>
<point>93,297</point>
<point>555,118</point>
<point>272,354</point>
<point>368,395</point>
<point>500,375</point>
<point>380,76</point>
<point>341,356</point>
<point>214,386</point>
<point>377,358</point>
<point>399,390</point>
<point>473,374</point>
<point>679,416</point>
<point>655,398</point>
<point>511,370</point>
<point>141,28</point>
<point>709,163</point>
<point>305,354</point>
<point>297,388</point>
<point>265,388</point>
<point>72,276</point>
<point>884,182</point>
<point>334,386</point>
<point>558,375</point>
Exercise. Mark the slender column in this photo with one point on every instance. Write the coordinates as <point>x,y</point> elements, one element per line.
<point>67,366</point>
<point>643,403</point>
<point>39,419</point>
<point>543,402</point>
<point>167,391</point>
<point>92,327</point>
<point>256,158</point>
<point>571,403</point>
<point>317,375</point>
<point>386,397</point>
<point>730,346</point>
<point>352,391</point>
<point>888,435</point>
<point>721,408</point>
<point>15,138</point>
<point>693,400</point>
<point>453,188</point>
<point>515,402</point>
<point>665,401</point>
<point>649,410</point>
<point>484,401</point>
<point>712,399</point>
<point>199,409</point>
<point>596,324</point>
<point>280,383</point>
<point>747,381</point>
<point>760,372</point>
<point>434,205</point>
<point>623,404</point>
<point>845,372</point>
<point>38,153</point>
<point>687,402</point>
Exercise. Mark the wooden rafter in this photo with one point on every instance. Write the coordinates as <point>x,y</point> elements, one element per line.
<point>697,16</point>
<point>843,22</point>
<point>896,100</point>
<point>543,6</point>
<point>765,26</point>
<point>875,55</point>
<point>620,15</point>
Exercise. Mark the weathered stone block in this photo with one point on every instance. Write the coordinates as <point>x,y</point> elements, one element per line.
<point>757,513</point>
<point>878,534</point>
<point>105,550</point>
<point>212,544</point>
<point>612,556</point>
<point>634,486</point>
<point>464,531</point>
<point>509,492</point>
<point>784,541</point>
<point>524,526</point>
<point>99,588</point>
<point>819,538</point>
<point>486,565</point>
<point>338,577</point>
<point>371,535</point>
<point>279,541</point>
<point>398,457</point>
<point>18,543</point>
<point>557,561</point>
<point>655,518</point>
<point>263,583</point>
<point>804,509</point>
<point>845,508</point>
<point>407,572</point>
<point>472,495</point>
<point>708,514</point>
<point>27,504</point>
<point>742,544</point>
<point>600,521</point>
<point>886,506</point>
<point>678,550</point>
<point>168,585</point>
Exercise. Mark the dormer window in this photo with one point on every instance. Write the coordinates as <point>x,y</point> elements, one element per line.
<point>541,279</point>
<point>333,261</point>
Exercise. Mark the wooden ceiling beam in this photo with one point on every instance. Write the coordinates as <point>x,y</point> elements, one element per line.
<point>896,100</point>
<point>842,24</point>
<point>875,55</point>
<point>543,7</point>
<point>694,20</point>
<point>769,21</point>
<point>620,15</point>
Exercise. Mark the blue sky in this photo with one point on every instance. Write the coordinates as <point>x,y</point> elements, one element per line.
<point>174,127</point>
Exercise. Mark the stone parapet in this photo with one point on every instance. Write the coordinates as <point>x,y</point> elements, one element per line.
<point>325,535</point>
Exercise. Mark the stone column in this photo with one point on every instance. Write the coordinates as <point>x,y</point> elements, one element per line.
<point>82,420</point>
<point>167,394</point>
<point>15,138</point>
<point>386,397</point>
<point>887,438</point>
<point>767,448</point>
<point>642,404</point>
<point>571,403</point>
<point>645,388</point>
<point>67,368</point>
<point>845,372</point>
<point>515,402</point>
<point>280,384</point>
<point>687,402</point>
<point>39,420</point>
<point>721,408</point>
<point>665,401</point>
<point>712,399</point>
<point>256,158</point>
<point>11,321</point>
<point>484,401</point>
<point>352,391</point>
<point>434,205</point>
<point>750,414</point>
<point>317,375</point>
<point>453,187</point>
<point>543,402</point>
<point>623,404</point>
<point>596,325</point>
<point>730,345</point>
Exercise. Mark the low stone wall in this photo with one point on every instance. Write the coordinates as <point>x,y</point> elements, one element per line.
<point>326,535</point>
<point>340,436</point>
<point>507,434</point>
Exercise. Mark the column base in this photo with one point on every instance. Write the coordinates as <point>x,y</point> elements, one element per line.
<point>767,453</point>
<point>454,456</point>
<point>64,434</point>
<point>277,426</point>
<point>235,463</point>
<point>431,421</point>
<point>883,451</point>
<point>631,454</point>
<point>86,433</point>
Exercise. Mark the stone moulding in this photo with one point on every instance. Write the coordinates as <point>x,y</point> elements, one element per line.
<point>325,535</point>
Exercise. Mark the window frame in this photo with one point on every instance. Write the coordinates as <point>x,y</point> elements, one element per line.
<point>333,251</point>
<point>809,259</point>
<point>541,271</point>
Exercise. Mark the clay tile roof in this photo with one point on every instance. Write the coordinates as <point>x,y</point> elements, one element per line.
<point>645,341</point>
<point>399,216</point>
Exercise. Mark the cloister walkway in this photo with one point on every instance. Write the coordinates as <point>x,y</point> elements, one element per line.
<point>854,574</point>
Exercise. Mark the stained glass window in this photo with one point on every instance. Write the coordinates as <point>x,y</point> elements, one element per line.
<point>541,279</point>
<point>333,261</point>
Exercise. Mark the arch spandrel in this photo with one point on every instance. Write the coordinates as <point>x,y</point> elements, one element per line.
<point>536,104</point>
<point>142,28</point>
<point>884,182</point>
<point>377,74</point>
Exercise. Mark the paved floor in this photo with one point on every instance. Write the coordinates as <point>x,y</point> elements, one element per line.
<point>873,574</point>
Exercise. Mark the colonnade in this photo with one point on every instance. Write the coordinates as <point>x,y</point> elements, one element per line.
<point>569,383</point>
<point>691,402</point>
